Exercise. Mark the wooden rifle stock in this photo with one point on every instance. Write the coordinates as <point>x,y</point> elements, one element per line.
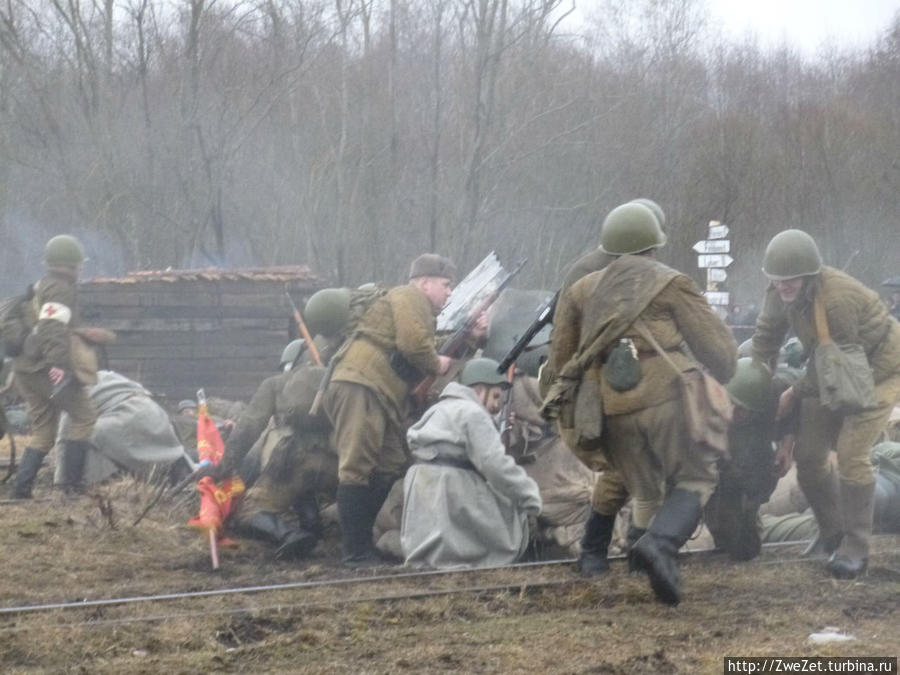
<point>304,331</point>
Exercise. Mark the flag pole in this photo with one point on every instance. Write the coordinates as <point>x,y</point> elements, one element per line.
<point>213,549</point>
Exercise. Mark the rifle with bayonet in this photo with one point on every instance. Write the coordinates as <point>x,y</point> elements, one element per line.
<point>544,316</point>
<point>453,346</point>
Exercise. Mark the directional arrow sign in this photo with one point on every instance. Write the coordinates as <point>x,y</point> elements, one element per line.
<point>717,231</point>
<point>717,297</point>
<point>713,246</point>
<point>723,260</point>
<point>716,275</point>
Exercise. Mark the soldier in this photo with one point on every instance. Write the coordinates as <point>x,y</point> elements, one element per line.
<point>610,494</point>
<point>854,314</point>
<point>392,348</point>
<point>747,478</point>
<point>466,502</point>
<point>283,455</point>
<point>45,373</point>
<point>645,436</point>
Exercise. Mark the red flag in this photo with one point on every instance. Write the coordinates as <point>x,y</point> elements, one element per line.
<point>216,501</point>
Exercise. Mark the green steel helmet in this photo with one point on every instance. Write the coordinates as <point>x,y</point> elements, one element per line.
<point>482,371</point>
<point>327,311</point>
<point>751,386</point>
<point>745,349</point>
<point>64,250</point>
<point>630,228</point>
<point>791,254</point>
<point>186,404</point>
<point>653,206</point>
<point>290,353</point>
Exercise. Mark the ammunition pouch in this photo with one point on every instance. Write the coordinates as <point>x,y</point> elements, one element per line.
<point>404,369</point>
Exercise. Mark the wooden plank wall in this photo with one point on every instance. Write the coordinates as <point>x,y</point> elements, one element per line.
<point>174,337</point>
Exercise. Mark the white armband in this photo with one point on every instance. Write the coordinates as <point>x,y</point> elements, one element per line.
<point>56,312</point>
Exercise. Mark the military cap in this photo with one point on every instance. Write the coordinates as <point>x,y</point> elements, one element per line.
<point>432,265</point>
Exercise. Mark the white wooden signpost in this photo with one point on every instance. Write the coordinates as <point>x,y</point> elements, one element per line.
<point>713,257</point>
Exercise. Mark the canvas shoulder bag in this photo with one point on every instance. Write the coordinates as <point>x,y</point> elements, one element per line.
<point>706,405</point>
<point>846,383</point>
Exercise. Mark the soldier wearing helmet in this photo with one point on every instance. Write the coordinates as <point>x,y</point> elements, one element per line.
<point>392,347</point>
<point>466,502</point>
<point>645,437</point>
<point>855,315</point>
<point>610,494</point>
<point>48,372</point>
<point>748,477</point>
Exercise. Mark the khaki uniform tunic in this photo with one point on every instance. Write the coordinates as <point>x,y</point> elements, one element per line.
<point>610,493</point>
<point>366,400</point>
<point>855,315</point>
<point>645,437</point>
<point>48,347</point>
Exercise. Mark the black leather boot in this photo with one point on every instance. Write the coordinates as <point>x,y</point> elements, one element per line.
<point>306,506</point>
<point>657,550</point>
<point>631,538</point>
<point>598,532</point>
<point>357,507</point>
<point>74,455</point>
<point>292,542</point>
<point>26,473</point>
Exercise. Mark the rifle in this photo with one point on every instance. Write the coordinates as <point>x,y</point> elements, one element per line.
<point>454,344</point>
<point>544,316</point>
<point>505,425</point>
<point>304,331</point>
<point>8,432</point>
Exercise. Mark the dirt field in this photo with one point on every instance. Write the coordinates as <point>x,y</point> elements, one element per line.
<point>526,620</point>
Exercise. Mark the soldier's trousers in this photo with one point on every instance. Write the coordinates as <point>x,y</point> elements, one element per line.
<point>43,413</point>
<point>851,436</point>
<point>651,449</point>
<point>295,467</point>
<point>367,440</point>
<point>610,493</point>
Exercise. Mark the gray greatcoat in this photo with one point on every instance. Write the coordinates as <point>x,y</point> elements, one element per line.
<point>456,516</point>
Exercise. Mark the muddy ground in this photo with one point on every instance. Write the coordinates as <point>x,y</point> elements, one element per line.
<point>532,620</point>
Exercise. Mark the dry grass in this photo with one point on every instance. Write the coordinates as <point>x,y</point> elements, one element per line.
<point>70,549</point>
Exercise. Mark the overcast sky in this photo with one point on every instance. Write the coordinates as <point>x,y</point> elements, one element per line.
<point>805,24</point>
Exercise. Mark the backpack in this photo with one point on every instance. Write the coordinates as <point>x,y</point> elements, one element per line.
<point>18,317</point>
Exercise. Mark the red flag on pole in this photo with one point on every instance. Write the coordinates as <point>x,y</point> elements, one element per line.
<point>216,501</point>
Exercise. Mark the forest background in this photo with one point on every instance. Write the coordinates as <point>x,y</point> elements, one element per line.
<point>351,135</point>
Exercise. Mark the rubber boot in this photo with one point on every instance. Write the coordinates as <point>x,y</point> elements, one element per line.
<point>631,538</point>
<point>74,454</point>
<point>598,531</point>
<point>657,550</point>
<point>823,495</point>
<point>357,507</point>
<point>858,505</point>
<point>292,542</point>
<point>26,473</point>
<point>306,506</point>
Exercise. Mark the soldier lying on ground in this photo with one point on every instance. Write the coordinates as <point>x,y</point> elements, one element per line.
<point>802,526</point>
